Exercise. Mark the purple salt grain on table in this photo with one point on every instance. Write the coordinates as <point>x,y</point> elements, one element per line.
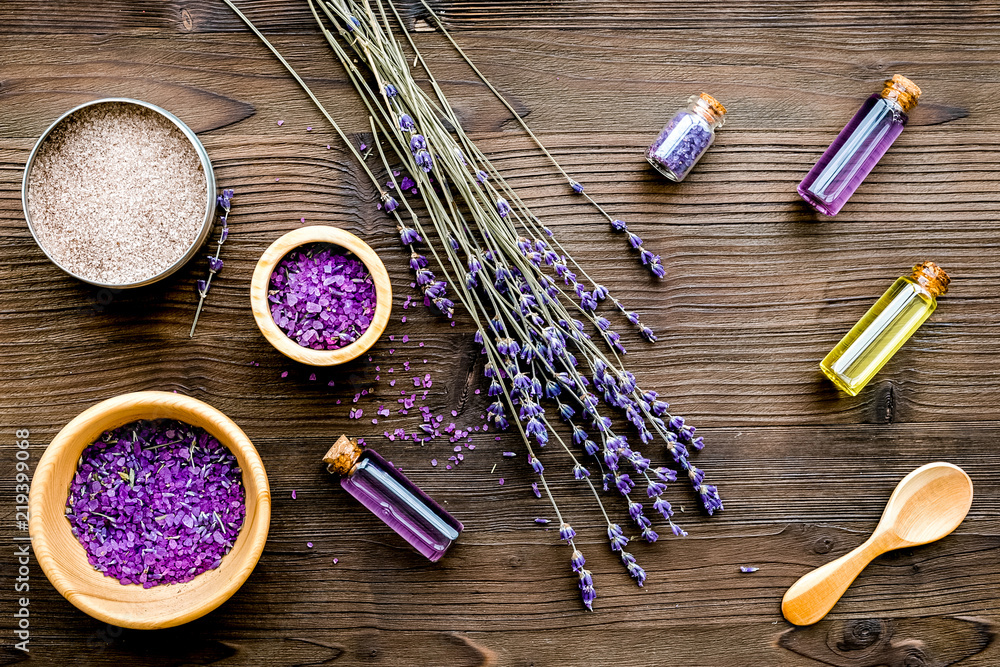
<point>321,298</point>
<point>156,502</point>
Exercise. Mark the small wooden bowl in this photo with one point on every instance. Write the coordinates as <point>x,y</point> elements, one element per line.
<point>262,307</point>
<point>64,560</point>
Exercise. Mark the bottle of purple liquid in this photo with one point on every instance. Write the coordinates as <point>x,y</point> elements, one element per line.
<point>686,137</point>
<point>393,498</point>
<point>859,146</point>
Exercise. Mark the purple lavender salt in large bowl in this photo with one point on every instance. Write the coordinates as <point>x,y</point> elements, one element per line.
<point>303,348</point>
<point>64,560</point>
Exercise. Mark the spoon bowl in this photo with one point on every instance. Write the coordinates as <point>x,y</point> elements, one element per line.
<point>926,505</point>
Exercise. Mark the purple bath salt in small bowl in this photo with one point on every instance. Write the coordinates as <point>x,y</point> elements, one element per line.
<point>156,502</point>
<point>686,137</point>
<point>322,296</point>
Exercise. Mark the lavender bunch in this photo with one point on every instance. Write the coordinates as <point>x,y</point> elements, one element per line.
<point>551,356</point>
<point>225,203</point>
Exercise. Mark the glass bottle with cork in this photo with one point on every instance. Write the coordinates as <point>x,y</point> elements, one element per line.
<point>686,137</point>
<point>859,146</point>
<point>390,496</point>
<point>885,327</point>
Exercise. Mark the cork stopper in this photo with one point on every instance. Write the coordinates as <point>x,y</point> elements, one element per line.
<point>342,456</point>
<point>709,108</point>
<point>932,278</point>
<point>901,90</point>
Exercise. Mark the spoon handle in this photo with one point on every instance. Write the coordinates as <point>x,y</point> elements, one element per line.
<point>810,598</point>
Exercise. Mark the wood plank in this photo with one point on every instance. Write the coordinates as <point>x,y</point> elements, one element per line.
<point>21,16</point>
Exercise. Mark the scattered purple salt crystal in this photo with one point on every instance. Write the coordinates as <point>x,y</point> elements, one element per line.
<point>336,560</point>
<point>293,494</point>
<point>284,374</point>
<point>501,481</point>
<point>309,544</point>
<point>312,377</point>
<point>747,569</point>
<point>280,123</point>
<point>434,462</point>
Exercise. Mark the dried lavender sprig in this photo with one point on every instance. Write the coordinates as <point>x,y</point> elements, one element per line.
<point>653,261</point>
<point>224,202</point>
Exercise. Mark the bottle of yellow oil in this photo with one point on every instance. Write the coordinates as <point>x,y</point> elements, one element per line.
<point>885,327</point>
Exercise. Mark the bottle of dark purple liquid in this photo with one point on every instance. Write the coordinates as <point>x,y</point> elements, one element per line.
<point>393,498</point>
<point>859,146</point>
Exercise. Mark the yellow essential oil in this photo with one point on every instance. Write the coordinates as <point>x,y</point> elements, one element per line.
<point>885,327</point>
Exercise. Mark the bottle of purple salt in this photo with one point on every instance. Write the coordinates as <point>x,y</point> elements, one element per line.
<point>393,498</point>
<point>686,137</point>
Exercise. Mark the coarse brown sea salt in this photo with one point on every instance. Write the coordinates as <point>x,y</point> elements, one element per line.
<point>117,193</point>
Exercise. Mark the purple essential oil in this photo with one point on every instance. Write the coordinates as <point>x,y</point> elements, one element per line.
<point>393,498</point>
<point>322,296</point>
<point>859,146</point>
<point>686,137</point>
<point>156,502</point>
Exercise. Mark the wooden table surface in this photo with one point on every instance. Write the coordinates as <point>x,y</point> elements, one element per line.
<point>757,291</point>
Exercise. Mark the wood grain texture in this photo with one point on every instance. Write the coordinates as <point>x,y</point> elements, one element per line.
<point>757,292</point>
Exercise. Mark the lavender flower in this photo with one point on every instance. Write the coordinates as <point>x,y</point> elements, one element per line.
<point>408,235</point>
<point>390,203</point>
<point>617,538</point>
<point>406,122</point>
<point>417,143</point>
<point>587,589</point>
<point>577,188</point>
<point>566,532</point>
<point>390,90</point>
<point>634,570</point>
<point>424,161</point>
<point>503,208</point>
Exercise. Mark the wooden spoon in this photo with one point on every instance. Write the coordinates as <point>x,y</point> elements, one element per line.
<point>926,505</point>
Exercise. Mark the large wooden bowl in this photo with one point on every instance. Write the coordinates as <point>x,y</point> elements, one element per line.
<point>262,308</point>
<point>63,559</point>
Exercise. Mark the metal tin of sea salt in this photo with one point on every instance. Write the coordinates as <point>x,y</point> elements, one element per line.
<point>206,166</point>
